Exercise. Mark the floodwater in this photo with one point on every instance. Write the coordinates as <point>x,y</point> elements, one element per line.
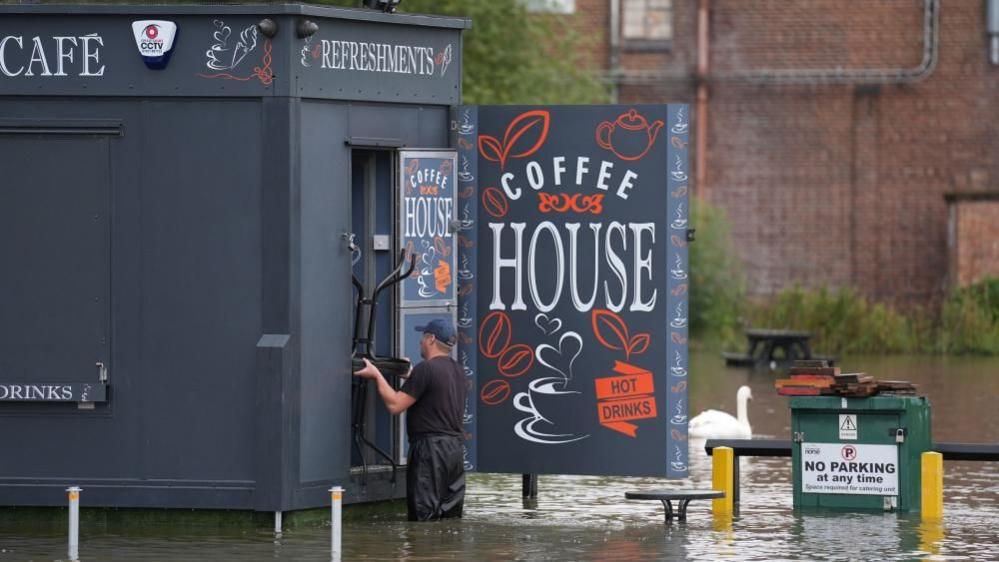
<point>587,518</point>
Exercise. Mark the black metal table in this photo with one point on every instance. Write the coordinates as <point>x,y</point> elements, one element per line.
<point>684,497</point>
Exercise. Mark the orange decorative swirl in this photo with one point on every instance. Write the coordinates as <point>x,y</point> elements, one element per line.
<point>576,203</point>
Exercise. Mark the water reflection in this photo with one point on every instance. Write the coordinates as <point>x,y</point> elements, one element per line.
<point>587,518</point>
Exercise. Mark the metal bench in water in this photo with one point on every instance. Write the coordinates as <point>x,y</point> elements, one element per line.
<point>683,496</point>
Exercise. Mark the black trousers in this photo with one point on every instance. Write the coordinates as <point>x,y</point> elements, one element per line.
<point>435,478</point>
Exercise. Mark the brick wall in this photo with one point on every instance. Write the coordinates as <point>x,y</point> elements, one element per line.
<point>826,184</point>
<point>974,237</point>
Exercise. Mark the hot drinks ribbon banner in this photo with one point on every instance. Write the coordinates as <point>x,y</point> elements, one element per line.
<point>580,287</point>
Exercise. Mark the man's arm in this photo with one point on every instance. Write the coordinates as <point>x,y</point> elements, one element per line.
<point>395,401</point>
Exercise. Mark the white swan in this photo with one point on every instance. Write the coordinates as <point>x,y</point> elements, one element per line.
<point>712,424</point>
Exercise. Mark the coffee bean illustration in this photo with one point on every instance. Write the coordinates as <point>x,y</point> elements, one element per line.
<point>494,202</point>
<point>495,392</point>
<point>495,332</point>
<point>515,360</point>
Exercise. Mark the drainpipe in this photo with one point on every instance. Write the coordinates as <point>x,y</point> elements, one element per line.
<point>701,154</point>
<point>614,53</point>
<point>992,27</point>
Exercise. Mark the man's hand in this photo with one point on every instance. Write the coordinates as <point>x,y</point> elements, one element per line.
<point>410,371</point>
<point>369,371</point>
<point>395,401</point>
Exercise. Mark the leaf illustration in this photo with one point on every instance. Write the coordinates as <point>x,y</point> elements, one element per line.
<point>611,330</point>
<point>639,343</point>
<point>491,149</point>
<point>522,125</point>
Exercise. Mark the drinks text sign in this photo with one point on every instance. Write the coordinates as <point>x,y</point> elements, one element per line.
<point>581,294</point>
<point>53,392</point>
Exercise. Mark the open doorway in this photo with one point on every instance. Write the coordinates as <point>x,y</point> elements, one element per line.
<point>373,225</point>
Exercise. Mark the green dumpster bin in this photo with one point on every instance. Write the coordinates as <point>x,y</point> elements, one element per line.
<point>859,453</point>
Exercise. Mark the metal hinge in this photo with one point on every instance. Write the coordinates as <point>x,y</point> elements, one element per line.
<point>799,437</point>
<point>890,503</point>
<point>102,372</point>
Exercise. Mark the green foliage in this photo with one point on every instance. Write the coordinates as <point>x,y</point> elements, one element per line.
<point>840,321</point>
<point>717,287</point>
<point>970,320</point>
<point>512,56</point>
<point>843,322</point>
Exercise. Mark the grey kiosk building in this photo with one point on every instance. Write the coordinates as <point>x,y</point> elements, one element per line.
<point>179,185</point>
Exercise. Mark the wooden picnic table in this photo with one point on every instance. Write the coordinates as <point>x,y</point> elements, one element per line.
<point>763,346</point>
<point>684,497</point>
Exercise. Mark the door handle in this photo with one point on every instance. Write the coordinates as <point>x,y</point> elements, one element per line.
<point>102,372</point>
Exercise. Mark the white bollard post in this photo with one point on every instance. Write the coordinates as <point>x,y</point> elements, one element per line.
<point>74,522</point>
<point>336,520</point>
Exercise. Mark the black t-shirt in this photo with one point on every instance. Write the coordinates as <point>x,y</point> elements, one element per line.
<point>439,387</point>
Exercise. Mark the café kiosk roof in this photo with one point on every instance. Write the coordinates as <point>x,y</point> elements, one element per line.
<point>352,56</point>
<point>293,9</point>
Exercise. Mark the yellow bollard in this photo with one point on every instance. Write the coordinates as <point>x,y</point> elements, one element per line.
<point>932,484</point>
<point>722,460</point>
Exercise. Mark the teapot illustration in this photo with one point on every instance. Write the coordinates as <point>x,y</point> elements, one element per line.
<point>629,137</point>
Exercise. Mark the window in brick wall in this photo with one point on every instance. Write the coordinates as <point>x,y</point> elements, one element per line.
<point>647,23</point>
<point>551,6</point>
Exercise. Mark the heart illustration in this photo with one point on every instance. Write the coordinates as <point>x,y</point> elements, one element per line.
<point>560,360</point>
<point>547,325</point>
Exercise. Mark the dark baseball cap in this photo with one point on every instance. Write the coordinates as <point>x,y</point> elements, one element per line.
<point>441,328</point>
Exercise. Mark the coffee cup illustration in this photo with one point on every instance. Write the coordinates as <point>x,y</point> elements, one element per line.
<point>679,224</point>
<point>678,274</point>
<point>680,127</point>
<point>466,127</point>
<point>678,371</point>
<point>630,136</point>
<point>678,466</point>
<point>550,420</point>
<point>678,419</point>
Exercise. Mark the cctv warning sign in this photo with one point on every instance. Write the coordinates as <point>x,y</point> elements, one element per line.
<point>837,468</point>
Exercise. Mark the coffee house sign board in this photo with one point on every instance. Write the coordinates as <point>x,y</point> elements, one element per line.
<point>580,291</point>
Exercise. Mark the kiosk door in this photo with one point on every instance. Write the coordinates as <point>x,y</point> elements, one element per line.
<point>54,248</point>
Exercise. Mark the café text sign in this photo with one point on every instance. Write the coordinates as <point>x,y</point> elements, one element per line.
<point>51,56</point>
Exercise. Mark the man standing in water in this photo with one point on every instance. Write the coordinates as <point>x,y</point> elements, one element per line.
<point>435,398</point>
